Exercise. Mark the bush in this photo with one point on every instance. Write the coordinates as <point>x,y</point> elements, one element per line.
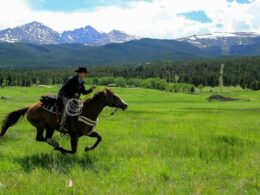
<point>154,83</point>
<point>120,81</point>
<point>133,82</point>
<point>200,87</point>
<point>180,87</point>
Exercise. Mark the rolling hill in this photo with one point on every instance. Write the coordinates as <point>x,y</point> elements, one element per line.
<point>137,51</point>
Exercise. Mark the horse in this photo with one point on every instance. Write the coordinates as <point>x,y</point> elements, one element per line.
<point>77,126</point>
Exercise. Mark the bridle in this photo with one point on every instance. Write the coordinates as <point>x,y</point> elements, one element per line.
<point>111,114</point>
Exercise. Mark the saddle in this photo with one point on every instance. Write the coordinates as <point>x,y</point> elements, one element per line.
<point>51,102</point>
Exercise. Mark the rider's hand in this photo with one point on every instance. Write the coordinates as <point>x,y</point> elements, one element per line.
<point>93,87</point>
<point>76,94</point>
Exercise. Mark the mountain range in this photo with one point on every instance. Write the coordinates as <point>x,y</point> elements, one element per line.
<point>35,44</point>
<point>38,33</point>
<point>225,41</point>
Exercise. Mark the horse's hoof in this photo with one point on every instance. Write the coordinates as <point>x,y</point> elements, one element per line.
<point>57,148</point>
<point>60,150</point>
<point>53,143</point>
<point>88,148</point>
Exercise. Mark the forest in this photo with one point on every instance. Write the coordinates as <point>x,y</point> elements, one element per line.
<point>244,72</point>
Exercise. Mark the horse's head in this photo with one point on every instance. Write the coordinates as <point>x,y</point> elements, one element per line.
<point>113,100</point>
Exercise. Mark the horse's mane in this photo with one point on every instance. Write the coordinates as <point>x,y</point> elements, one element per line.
<point>97,95</point>
<point>94,98</point>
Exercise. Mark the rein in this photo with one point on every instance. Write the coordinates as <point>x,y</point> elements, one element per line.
<point>111,114</point>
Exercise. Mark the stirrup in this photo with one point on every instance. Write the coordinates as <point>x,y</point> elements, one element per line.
<point>64,132</point>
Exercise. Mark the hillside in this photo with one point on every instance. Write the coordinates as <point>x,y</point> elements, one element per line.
<point>131,52</point>
<point>144,50</point>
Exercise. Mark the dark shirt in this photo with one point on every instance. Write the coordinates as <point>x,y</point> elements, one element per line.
<point>72,86</point>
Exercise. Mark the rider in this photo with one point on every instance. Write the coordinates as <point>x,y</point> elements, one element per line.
<point>73,89</point>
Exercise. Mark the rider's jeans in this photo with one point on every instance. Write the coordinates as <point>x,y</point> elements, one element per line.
<point>64,100</point>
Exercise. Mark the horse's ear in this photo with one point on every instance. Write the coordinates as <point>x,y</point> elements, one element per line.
<point>107,90</point>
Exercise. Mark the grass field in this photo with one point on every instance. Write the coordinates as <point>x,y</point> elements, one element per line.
<point>165,143</point>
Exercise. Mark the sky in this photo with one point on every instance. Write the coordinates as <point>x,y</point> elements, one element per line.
<point>164,19</point>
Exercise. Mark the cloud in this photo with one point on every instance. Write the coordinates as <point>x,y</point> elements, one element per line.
<point>156,19</point>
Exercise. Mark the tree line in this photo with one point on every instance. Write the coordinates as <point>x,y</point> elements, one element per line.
<point>244,72</point>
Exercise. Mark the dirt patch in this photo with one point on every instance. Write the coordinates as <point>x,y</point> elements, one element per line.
<point>47,86</point>
<point>221,98</point>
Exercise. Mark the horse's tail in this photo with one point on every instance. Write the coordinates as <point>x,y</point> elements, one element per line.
<point>11,119</point>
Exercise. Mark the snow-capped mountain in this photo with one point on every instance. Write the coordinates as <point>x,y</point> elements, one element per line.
<point>91,36</point>
<point>116,36</point>
<point>33,32</point>
<point>223,40</point>
<point>87,35</point>
<point>38,33</point>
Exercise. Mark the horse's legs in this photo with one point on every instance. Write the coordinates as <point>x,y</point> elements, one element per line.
<point>49,134</point>
<point>74,144</point>
<point>99,138</point>
<point>39,135</point>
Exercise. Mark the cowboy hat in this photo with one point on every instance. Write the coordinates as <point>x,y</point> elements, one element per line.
<point>81,69</point>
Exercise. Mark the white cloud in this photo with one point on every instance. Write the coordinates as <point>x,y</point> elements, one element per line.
<point>158,19</point>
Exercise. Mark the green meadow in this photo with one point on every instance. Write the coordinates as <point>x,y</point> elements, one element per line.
<point>164,143</point>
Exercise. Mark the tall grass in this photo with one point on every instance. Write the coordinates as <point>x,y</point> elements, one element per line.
<point>165,143</point>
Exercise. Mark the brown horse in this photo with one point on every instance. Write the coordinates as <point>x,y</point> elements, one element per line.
<point>77,125</point>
